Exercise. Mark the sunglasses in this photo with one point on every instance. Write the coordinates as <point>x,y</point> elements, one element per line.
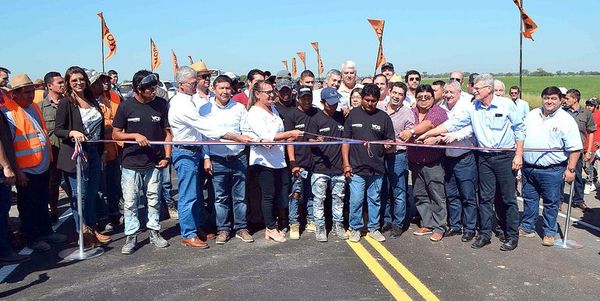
<point>205,76</point>
<point>456,79</point>
<point>412,79</point>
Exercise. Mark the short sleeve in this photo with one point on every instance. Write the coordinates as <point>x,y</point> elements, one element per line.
<point>120,120</point>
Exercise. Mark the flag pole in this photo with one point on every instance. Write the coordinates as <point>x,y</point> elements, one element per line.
<point>377,58</point>
<point>521,52</point>
<point>102,43</point>
<point>151,69</point>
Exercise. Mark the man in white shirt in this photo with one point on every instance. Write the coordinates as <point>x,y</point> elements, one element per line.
<point>413,80</point>
<point>203,75</point>
<point>228,162</point>
<point>460,78</point>
<point>348,81</point>
<point>499,88</point>
<point>191,161</point>
<point>381,82</point>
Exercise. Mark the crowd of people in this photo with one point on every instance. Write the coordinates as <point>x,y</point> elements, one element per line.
<point>294,148</point>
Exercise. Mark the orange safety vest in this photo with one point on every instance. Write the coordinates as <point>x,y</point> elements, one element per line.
<point>26,142</point>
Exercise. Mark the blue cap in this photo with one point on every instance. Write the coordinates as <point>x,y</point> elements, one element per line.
<point>330,95</point>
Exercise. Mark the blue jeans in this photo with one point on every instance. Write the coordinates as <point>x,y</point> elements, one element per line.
<point>301,186</point>
<point>166,197</point>
<point>229,183</point>
<point>111,190</point>
<point>461,193</point>
<point>545,183</point>
<point>319,190</point>
<point>133,182</point>
<point>5,200</point>
<point>90,184</point>
<point>358,186</point>
<point>579,182</point>
<point>190,176</point>
<point>395,189</point>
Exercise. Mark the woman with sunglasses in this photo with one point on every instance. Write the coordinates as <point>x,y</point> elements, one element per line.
<point>79,119</point>
<point>263,124</point>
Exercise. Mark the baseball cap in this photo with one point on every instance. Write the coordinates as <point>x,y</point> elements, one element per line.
<point>472,77</point>
<point>592,101</point>
<point>387,66</point>
<point>330,95</point>
<point>283,83</point>
<point>304,90</point>
<point>284,74</point>
<point>563,90</point>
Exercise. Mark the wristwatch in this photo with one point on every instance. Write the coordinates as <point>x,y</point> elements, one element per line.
<point>412,131</point>
<point>571,170</point>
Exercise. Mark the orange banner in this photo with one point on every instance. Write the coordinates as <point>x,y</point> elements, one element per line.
<point>302,56</point>
<point>378,27</point>
<point>320,67</point>
<point>529,25</point>
<point>285,65</point>
<point>380,57</point>
<point>294,70</point>
<point>154,57</point>
<point>175,64</point>
<point>108,38</point>
<point>191,60</point>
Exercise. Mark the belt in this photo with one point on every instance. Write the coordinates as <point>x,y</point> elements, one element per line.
<point>496,153</point>
<point>194,148</point>
<point>227,158</point>
<point>561,164</point>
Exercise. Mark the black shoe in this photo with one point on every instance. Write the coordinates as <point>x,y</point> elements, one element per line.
<point>509,245</point>
<point>480,243</point>
<point>396,232</point>
<point>501,236</point>
<point>452,232</point>
<point>467,236</point>
<point>386,227</point>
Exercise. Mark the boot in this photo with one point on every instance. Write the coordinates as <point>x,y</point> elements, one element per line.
<point>103,239</point>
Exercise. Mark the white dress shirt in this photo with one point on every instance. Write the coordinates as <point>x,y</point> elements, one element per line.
<point>464,136</point>
<point>229,119</point>
<point>261,124</point>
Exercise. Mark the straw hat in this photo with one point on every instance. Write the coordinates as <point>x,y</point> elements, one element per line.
<point>200,67</point>
<point>19,81</point>
<point>395,78</point>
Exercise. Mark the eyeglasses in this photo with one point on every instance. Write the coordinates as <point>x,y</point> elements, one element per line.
<point>193,84</point>
<point>514,93</point>
<point>268,92</point>
<point>479,88</point>
<point>205,76</point>
<point>412,79</point>
<point>424,97</point>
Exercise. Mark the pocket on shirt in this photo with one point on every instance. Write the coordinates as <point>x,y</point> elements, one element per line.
<point>497,122</point>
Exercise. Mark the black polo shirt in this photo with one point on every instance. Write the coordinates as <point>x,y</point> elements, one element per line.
<point>327,159</point>
<point>298,120</point>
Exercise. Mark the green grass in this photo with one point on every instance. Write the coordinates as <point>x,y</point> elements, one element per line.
<point>588,85</point>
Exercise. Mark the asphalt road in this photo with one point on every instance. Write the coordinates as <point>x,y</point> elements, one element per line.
<point>409,267</point>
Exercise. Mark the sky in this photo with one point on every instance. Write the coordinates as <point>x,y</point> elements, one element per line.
<point>433,36</point>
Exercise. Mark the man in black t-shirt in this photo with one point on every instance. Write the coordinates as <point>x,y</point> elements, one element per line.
<point>364,166</point>
<point>327,165</point>
<point>300,162</point>
<point>143,118</point>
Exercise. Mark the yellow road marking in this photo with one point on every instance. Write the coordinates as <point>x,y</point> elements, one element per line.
<point>384,277</point>
<point>402,270</point>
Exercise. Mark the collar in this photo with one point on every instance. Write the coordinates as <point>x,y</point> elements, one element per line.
<point>545,117</point>
<point>216,103</point>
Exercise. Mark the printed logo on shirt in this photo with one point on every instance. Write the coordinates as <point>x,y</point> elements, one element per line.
<point>300,126</point>
<point>155,118</point>
<point>340,127</point>
<point>134,119</point>
<point>376,127</point>
<point>324,130</point>
<point>357,125</point>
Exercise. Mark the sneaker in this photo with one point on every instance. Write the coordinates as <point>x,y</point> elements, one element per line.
<point>376,235</point>
<point>523,233</point>
<point>339,231</point>
<point>396,232</point>
<point>354,236</point>
<point>295,231</point>
<point>130,243</point>
<point>222,237</point>
<point>40,246</point>
<point>386,227</point>
<point>321,234</point>
<point>14,258</point>
<point>275,235</point>
<point>311,227</point>
<point>173,213</point>
<point>245,236</point>
<point>422,232</point>
<point>589,188</point>
<point>54,238</point>
<point>158,240</point>
<point>548,241</point>
<point>436,236</point>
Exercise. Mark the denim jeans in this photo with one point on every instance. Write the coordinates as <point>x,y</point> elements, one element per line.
<point>111,190</point>
<point>274,190</point>
<point>190,177</point>
<point>133,182</point>
<point>394,191</point>
<point>358,186</point>
<point>430,196</point>
<point>5,201</point>
<point>579,182</point>
<point>166,198</point>
<point>32,202</point>
<point>90,185</point>
<point>591,171</point>
<point>301,185</point>
<point>319,184</point>
<point>495,173</point>
<point>461,193</point>
<point>545,183</point>
<point>229,183</point>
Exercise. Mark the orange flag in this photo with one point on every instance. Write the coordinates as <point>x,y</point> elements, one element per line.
<point>302,56</point>
<point>378,27</point>
<point>175,64</point>
<point>285,64</point>
<point>294,70</point>
<point>320,67</point>
<point>528,25</point>
<point>108,38</point>
<point>191,60</point>
<point>154,57</point>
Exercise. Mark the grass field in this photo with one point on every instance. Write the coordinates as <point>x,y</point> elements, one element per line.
<point>589,85</point>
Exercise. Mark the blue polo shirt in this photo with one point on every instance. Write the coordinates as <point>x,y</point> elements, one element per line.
<point>558,130</point>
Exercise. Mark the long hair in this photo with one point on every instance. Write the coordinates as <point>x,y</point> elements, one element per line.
<point>252,100</point>
<point>87,92</point>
